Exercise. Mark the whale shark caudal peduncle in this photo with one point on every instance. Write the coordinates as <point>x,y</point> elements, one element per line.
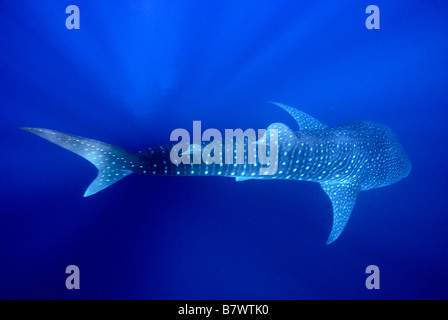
<point>345,160</point>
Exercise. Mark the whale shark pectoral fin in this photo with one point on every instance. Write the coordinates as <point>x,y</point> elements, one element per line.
<point>305,121</point>
<point>343,197</point>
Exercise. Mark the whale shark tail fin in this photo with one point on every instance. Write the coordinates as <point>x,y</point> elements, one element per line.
<point>113,163</point>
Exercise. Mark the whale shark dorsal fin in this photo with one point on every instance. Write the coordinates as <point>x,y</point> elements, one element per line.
<point>305,121</point>
<point>343,197</point>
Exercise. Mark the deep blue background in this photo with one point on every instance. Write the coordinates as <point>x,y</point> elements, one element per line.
<point>136,70</point>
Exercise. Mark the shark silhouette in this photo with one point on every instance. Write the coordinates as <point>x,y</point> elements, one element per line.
<point>345,160</point>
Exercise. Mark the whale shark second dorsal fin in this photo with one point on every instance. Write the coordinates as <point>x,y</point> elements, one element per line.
<point>305,121</point>
<point>343,197</point>
<point>286,137</point>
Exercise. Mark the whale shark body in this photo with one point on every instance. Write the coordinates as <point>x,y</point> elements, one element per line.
<point>345,160</point>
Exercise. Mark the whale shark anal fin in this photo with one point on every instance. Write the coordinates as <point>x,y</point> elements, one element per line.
<point>343,197</point>
<point>239,179</point>
<point>305,121</point>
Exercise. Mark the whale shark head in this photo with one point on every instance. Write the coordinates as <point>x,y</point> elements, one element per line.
<point>354,157</point>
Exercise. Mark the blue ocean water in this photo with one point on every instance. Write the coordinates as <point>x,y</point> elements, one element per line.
<point>136,70</point>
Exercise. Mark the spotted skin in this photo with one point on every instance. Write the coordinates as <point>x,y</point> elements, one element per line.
<point>345,160</point>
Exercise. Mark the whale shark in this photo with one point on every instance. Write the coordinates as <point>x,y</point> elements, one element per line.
<point>345,159</point>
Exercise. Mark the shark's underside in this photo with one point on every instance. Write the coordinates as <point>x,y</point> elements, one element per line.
<point>345,160</point>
